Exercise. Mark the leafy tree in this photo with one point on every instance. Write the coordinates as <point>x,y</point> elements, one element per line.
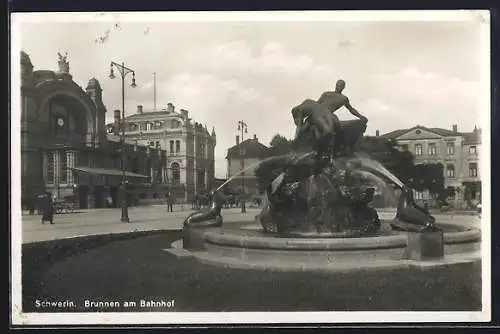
<point>279,141</point>
<point>430,177</point>
<point>279,145</point>
<point>389,154</point>
<point>471,189</point>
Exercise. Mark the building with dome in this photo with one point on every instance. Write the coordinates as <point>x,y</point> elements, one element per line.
<point>65,147</point>
<point>190,147</point>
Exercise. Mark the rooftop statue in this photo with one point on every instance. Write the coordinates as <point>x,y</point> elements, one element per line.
<point>63,63</point>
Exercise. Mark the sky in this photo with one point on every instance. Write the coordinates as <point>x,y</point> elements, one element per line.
<point>398,73</point>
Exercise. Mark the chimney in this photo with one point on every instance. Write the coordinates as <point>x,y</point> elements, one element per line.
<point>117,121</point>
<point>455,128</point>
<point>237,140</point>
<point>139,109</point>
<point>478,133</point>
<point>377,133</point>
<point>170,108</point>
<point>184,114</point>
<point>255,137</point>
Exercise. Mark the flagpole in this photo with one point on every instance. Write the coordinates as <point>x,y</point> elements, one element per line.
<point>154,90</point>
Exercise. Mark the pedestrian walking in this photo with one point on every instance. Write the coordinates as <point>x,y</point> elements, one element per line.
<point>170,202</point>
<point>48,209</point>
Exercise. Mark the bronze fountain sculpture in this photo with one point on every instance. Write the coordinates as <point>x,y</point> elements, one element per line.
<point>321,191</point>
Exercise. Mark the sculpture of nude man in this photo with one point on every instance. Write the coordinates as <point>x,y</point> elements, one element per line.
<point>319,119</point>
<point>335,100</point>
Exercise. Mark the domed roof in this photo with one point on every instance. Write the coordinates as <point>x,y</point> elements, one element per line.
<point>25,59</point>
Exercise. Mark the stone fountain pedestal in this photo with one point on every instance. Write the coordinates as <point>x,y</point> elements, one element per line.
<point>425,245</point>
<point>244,244</point>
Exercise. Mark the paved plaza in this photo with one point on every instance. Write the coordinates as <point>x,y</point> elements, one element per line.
<point>107,221</point>
<point>149,218</point>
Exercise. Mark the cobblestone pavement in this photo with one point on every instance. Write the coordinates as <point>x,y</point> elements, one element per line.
<point>105,221</point>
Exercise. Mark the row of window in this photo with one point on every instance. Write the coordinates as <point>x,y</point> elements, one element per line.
<point>450,170</point>
<point>157,144</point>
<point>432,149</point>
<point>172,142</point>
<point>67,178</point>
<point>148,126</point>
<point>422,196</point>
<point>419,195</point>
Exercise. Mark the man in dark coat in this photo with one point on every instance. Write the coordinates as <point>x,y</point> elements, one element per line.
<point>170,202</point>
<point>48,209</point>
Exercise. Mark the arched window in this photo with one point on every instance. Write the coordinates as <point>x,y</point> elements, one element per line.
<point>176,173</point>
<point>148,126</point>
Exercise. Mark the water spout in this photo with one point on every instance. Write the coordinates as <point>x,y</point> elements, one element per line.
<point>380,169</point>
<point>283,156</point>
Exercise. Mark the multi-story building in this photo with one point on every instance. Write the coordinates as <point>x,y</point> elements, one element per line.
<point>190,163</point>
<point>458,152</point>
<point>64,146</point>
<point>245,156</point>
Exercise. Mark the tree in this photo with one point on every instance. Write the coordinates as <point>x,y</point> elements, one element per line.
<point>279,140</point>
<point>471,190</point>
<point>389,154</point>
<point>429,177</point>
<point>279,145</point>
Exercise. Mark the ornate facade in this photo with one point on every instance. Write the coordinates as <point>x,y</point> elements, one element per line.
<point>190,147</point>
<point>64,144</point>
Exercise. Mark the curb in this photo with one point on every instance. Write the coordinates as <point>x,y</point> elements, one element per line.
<point>103,234</point>
<point>341,266</point>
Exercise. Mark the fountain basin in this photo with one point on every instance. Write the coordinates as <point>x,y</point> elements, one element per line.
<point>243,242</point>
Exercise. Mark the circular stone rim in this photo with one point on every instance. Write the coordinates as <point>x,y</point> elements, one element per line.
<point>231,238</point>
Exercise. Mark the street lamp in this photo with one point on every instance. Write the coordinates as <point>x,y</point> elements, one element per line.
<point>123,73</point>
<point>243,128</point>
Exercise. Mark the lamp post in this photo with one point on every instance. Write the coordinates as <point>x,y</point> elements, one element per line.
<point>123,73</point>
<point>243,128</point>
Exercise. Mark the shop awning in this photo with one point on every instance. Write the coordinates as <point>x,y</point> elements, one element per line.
<point>107,172</point>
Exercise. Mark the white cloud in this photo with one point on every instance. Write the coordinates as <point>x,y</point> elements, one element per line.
<point>238,58</point>
<point>428,98</point>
